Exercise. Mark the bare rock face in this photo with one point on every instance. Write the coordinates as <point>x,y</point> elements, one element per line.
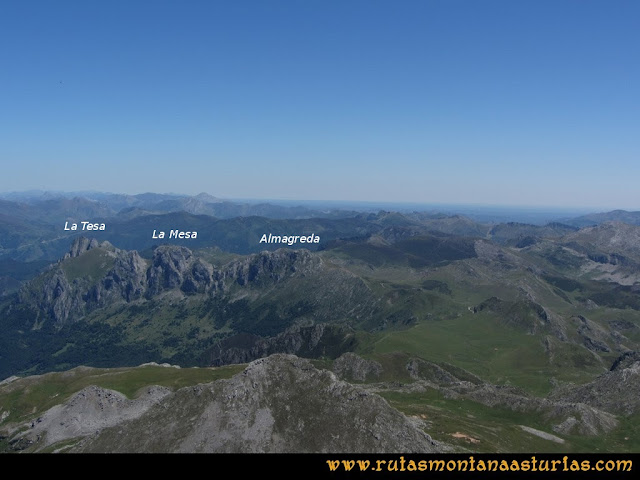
<point>93,276</point>
<point>81,245</point>
<point>127,278</point>
<point>57,297</point>
<point>310,340</point>
<point>565,414</point>
<point>422,370</point>
<point>87,412</point>
<point>568,415</point>
<point>168,268</point>
<point>617,390</point>
<point>626,360</point>
<point>277,404</point>
<point>581,419</point>
<point>350,366</point>
<point>271,267</point>
<point>199,279</point>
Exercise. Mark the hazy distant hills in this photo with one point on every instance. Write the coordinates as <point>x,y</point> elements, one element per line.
<point>55,211</point>
<point>521,235</point>
<point>237,235</point>
<point>54,208</point>
<point>632,218</point>
<point>618,237</point>
<point>32,223</point>
<point>33,227</point>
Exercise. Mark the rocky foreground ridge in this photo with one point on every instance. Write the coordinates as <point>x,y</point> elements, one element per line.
<point>277,404</point>
<point>283,403</point>
<point>592,409</point>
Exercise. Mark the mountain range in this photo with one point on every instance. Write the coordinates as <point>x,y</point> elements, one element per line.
<point>459,335</point>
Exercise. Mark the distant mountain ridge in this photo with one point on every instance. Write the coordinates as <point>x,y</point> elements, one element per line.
<point>95,275</point>
<point>623,216</point>
<point>61,207</point>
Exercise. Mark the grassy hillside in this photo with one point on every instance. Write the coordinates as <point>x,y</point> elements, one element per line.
<point>27,397</point>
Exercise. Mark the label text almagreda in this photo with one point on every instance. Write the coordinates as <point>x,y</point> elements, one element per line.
<point>290,239</point>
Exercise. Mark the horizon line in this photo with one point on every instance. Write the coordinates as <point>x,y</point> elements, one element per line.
<point>406,203</point>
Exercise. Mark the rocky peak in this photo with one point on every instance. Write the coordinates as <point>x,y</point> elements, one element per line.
<point>277,404</point>
<point>168,267</point>
<point>617,390</point>
<point>272,266</point>
<point>117,276</point>
<point>350,367</point>
<point>81,245</point>
<point>626,360</point>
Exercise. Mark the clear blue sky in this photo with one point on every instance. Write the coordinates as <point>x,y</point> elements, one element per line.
<point>488,102</point>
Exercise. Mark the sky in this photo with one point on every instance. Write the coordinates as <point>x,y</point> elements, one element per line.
<point>437,101</point>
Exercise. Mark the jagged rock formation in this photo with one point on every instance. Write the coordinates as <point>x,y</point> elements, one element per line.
<point>350,366</point>
<point>564,414</point>
<point>594,337</point>
<point>615,391</point>
<point>422,370</point>
<point>94,275</point>
<point>127,280</point>
<point>277,404</point>
<point>81,245</point>
<point>568,417</point>
<point>610,242</point>
<point>305,340</point>
<point>87,412</point>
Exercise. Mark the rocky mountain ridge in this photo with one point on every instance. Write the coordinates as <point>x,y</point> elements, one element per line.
<point>277,404</point>
<point>282,403</point>
<point>110,275</point>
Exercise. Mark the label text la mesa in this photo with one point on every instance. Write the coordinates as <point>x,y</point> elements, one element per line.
<point>174,234</point>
